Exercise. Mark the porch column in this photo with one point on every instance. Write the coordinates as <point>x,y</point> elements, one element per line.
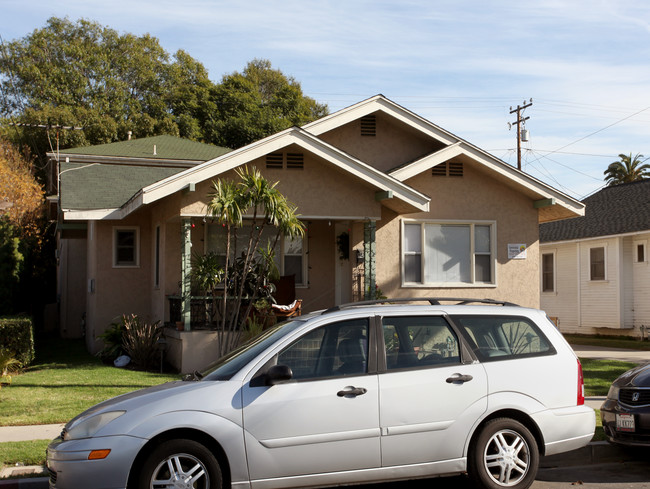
<point>186,269</point>
<point>369,252</point>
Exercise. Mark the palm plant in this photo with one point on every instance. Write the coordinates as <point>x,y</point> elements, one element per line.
<point>228,202</point>
<point>627,169</point>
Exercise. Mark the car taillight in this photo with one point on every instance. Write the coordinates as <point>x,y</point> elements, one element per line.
<point>581,385</point>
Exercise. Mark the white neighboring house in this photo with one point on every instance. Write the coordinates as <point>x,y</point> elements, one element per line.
<point>595,277</point>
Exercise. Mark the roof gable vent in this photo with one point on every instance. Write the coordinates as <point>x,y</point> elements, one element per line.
<point>274,160</point>
<point>369,125</point>
<point>448,169</point>
<point>295,161</point>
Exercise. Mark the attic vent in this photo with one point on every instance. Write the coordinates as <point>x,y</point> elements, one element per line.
<point>455,169</point>
<point>439,170</point>
<point>295,161</point>
<point>448,169</point>
<point>274,160</point>
<point>369,125</point>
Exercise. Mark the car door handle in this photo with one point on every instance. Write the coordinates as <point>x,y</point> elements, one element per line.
<point>352,391</point>
<point>459,378</point>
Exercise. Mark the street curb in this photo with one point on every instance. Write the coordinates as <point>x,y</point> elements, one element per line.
<point>597,452</point>
<point>30,483</point>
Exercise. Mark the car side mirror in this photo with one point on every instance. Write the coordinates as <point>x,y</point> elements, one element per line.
<point>277,374</point>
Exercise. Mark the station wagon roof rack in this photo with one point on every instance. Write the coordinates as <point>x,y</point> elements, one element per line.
<point>434,301</point>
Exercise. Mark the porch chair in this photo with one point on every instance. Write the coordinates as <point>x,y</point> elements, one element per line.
<point>286,305</point>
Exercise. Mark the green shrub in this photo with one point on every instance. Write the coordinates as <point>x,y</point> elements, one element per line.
<point>17,338</point>
<point>140,340</point>
<point>113,338</point>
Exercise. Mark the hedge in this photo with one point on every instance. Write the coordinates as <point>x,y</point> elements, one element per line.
<point>17,336</point>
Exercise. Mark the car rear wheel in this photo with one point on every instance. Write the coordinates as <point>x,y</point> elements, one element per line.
<point>180,464</point>
<point>504,454</point>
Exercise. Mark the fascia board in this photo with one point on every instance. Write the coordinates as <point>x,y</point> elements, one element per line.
<point>379,102</point>
<point>124,160</point>
<point>523,179</point>
<point>309,142</point>
<point>92,214</point>
<point>216,166</point>
<point>429,161</point>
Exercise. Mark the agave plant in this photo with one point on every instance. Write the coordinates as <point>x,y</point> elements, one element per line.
<point>7,361</point>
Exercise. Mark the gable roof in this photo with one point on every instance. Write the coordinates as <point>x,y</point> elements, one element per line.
<point>402,197</point>
<point>616,210</point>
<point>106,176</point>
<point>552,204</point>
<point>163,147</point>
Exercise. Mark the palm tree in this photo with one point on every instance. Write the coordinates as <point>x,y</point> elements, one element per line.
<point>627,169</point>
<point>268,206</point>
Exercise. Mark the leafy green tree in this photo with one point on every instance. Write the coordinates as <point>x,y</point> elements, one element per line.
<point>259,102</point>
<point>627,169</point>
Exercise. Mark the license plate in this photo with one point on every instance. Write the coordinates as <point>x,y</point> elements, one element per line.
<point>625,422</point>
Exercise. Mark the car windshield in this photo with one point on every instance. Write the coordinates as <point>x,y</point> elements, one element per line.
<point>230,364</point>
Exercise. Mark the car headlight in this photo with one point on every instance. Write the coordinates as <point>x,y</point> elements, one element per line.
<point>613,392</point>
<point>87,427</point>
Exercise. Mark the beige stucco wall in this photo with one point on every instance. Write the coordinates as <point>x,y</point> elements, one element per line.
<point>393,145</point>
<point>117,291</point>
<point>475,196</point>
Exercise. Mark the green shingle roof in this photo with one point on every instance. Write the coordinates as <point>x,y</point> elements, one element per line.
<point>105,184</point>
<point>167,147</point>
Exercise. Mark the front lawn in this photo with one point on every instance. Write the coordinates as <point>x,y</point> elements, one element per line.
<point>65,380</point>
<point>599,374</point>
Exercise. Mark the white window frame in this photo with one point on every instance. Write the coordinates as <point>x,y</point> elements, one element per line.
<point>635,251</point>
<point>591,279</point>
<point>136,246</point>
<point>473,284</point>
<point>554,272</point>
<point>301,282</point>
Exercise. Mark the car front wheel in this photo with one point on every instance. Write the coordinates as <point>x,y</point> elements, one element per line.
<point>505,454</point>
<point>180,464</point>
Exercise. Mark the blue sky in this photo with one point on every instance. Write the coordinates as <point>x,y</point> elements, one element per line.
<point>460,64</point>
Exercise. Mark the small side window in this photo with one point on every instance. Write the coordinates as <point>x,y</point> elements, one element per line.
<point>504,337</point>
<point>126,247</point>
<point>337,349</point>
<point>419,341</point>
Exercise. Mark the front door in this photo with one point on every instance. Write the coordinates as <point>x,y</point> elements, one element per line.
<point>326,419</point>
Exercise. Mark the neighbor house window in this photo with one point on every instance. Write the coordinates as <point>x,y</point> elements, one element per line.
<point>597,263</point>
<point>290,254</point>
<point>126,247</point>
<point>548,272</point>
<point>448,253</point>
<point>640,252</point>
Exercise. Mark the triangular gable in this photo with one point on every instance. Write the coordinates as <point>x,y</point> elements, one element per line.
<point>397,195</point>
<point>553,204</point>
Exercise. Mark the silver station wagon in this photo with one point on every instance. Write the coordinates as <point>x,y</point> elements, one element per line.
<point>364,392</point>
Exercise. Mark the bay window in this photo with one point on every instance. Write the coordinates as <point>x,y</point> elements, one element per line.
<point>448,253</point>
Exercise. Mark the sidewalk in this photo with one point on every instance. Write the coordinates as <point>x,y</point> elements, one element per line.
<point>595,452</point>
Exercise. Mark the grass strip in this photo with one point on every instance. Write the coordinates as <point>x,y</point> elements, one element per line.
<point>23,452</point>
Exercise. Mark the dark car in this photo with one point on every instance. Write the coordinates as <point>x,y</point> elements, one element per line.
<point>626,412</point>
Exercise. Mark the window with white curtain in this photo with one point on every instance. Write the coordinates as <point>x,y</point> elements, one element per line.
<point>436,253</point>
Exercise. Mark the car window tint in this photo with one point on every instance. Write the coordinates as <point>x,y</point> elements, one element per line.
<point>337,349</point>
<point>419,341</point>
<point>504,337</point>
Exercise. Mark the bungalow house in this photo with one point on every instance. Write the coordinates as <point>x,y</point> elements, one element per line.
<point>595,274</point>
<point>391,203</point>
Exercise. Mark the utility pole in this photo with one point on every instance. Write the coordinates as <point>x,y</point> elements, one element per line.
<point>519,122</point>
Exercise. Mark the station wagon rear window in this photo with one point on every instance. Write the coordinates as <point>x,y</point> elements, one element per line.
<point>496,338</point>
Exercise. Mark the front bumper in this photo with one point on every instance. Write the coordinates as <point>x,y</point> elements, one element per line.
<point>641,434</point>
<point>69,467</point>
